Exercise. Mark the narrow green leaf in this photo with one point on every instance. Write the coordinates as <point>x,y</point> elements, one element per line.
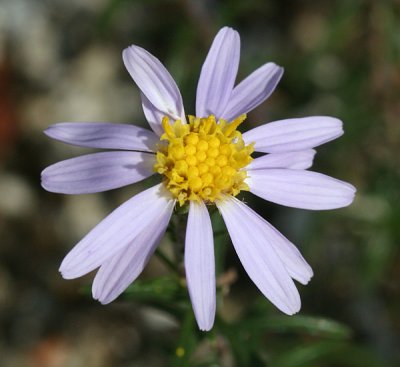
<point>164,289</point>
<point>307,354</point>
<point>186,343</point>
<point>314,326</point>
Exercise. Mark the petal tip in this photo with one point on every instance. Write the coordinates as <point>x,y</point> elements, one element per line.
<point>101,298</point>
<point>65,274</point>
<point>130,52</point>
<point>352,194</point>
<point>129,49</point>
<point>126,54</point>
<point>206,324</point>
<point>206,328</point>
<point>307,277</point>
<point>280,70</point>
<point>227,29</point>
<point>337,124</point>
<point>100,292</point>
<point>52,131</point>
<point>66,270</point>
<point>349,193</point>
<point>47,131</point>
<point>277,75</point>
<point>293,308</point>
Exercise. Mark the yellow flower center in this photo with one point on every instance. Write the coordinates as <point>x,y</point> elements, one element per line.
<point>203,159</point>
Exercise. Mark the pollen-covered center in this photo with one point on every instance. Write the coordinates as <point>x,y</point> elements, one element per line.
<point>203,159</point>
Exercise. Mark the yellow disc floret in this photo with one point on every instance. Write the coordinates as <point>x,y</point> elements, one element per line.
<point>204,159</point>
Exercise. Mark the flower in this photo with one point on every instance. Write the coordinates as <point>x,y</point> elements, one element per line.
<point>203,160</point>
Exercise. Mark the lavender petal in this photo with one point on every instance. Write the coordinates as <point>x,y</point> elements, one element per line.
<point>117,273</point>
<point>218,74</point>
<point>300,189</point>
<point>302,159</point>
<point>294,134</point>
<point>253,90</point>
<point>200,265</point>
<point>154,81</point>
<point>258,257</point>
<point>104,135</point>
<point>116,231</point>
<point>97,172</point>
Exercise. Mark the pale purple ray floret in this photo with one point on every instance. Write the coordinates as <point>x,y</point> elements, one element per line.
<point>121,245</point>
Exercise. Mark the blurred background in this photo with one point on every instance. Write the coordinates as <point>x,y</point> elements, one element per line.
<point>61,61</point>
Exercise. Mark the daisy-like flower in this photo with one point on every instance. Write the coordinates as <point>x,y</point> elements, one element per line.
<point>202,160</point>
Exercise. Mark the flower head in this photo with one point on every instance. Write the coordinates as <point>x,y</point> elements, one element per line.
<point>203,160</point>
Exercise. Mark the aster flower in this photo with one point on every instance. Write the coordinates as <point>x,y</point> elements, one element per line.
<point>202,160</point>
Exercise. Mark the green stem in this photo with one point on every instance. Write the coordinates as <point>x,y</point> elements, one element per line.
<point>167,261</point>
